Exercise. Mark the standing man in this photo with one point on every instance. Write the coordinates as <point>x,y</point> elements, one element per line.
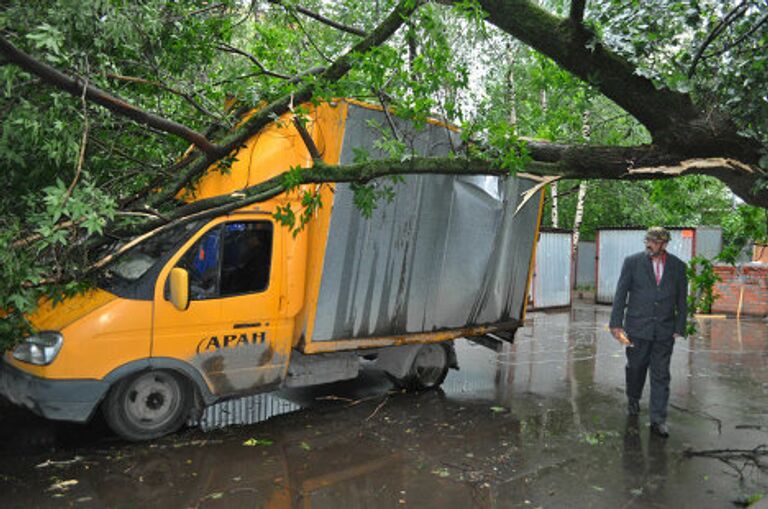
<point>652,289</point>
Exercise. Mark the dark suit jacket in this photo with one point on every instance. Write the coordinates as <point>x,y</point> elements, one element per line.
<point>652,312</point>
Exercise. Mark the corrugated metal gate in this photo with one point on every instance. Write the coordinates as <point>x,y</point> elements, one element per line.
<point>585,266</point>
<point>551,283</point>
<point>615,244</point>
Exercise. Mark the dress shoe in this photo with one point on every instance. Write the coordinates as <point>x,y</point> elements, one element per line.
<point>660,429</point>
<point>633,407</point>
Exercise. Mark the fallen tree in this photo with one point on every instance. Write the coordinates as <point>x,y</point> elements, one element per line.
<point>686,137</point>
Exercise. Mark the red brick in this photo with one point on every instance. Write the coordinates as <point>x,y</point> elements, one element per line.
<point>748,282</point>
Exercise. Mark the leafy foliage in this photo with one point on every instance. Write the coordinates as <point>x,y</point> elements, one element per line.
<point>727,41</point>
<point>204,64</point>
<point>743,225</point>
<point>701,281</point>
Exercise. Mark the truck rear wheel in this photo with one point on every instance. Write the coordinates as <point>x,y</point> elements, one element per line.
<point>148,405</point>
<point>428,369</point>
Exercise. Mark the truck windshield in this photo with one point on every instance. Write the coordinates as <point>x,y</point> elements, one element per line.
<point>135,263</point>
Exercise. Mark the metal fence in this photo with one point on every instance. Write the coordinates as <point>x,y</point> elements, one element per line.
<point>709,241</point>
<point>615,244</point>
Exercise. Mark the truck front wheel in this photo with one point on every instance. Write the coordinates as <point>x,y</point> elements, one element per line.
<point>148,405</point>
<point>428,369</point>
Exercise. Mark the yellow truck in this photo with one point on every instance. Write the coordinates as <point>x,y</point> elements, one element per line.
<point>239,305</point>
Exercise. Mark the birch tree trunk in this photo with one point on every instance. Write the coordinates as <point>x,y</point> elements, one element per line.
<point>579,216</point>
<point>553,191</point>
<point>586,130</point>
<point>511,87</point>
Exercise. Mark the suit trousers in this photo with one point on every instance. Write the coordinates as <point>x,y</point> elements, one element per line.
<point>653,355</point>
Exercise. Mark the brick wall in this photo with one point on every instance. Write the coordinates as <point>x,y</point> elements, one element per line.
<point>753,278</point>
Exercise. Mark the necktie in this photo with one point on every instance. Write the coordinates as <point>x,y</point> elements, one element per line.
<point>657,269</point>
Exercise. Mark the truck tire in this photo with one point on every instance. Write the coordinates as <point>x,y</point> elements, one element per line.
<point>148,405</point>
<point>428,370</point>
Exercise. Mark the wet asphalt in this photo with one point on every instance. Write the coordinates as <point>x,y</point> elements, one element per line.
<point>537,423</point>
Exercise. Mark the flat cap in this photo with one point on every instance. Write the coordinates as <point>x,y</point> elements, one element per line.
<point>658,234</point>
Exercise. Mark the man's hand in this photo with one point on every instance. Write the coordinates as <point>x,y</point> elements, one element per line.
<point>620,336</point>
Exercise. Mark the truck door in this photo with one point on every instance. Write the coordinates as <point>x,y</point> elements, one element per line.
<point>231,331</point>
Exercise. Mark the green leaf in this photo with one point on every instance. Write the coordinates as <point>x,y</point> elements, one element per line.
<point>253,442</point>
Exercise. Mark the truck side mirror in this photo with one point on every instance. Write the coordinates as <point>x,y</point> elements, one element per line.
<point>180,288</point>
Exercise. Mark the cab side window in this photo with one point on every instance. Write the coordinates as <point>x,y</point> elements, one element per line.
<point>246,257</point>
<point>231,259</point>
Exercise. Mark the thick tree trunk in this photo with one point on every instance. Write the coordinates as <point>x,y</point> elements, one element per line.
<point>680,130</point>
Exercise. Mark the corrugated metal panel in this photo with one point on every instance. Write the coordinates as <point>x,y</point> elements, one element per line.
<point>615,245</point>
<point>682,242</point>
<point>247,410</point>
<point>709,241</point>
<point>585,268</point>
<point>552,278</point>
<point>446,252</point>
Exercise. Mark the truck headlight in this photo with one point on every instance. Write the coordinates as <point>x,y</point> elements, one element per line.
<point>40,348</point>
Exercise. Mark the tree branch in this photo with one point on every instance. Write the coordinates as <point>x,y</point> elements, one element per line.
<point>112,149</point>
<point>741,39</point>
<point>264,70</point>
<point>83,145</point>
<point>133,79</point>
<point>309,37</point>
<point>74,86</point>
<point>382,101</point>
<point>324,20</point>
<point>577,10</point>
<point>214,7</point>
<point>548,159</point>
<point>729,18</point>
<point>320,173</point>
<point>307,139</point>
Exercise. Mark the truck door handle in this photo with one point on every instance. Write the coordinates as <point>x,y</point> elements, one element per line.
<point>247,325</point>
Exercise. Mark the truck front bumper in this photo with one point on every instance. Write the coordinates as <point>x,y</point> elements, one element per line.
<point>61,400</point>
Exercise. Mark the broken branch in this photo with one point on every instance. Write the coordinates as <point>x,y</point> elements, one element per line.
<point>75,86</point>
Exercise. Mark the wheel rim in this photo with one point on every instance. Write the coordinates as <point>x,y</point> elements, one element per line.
<point>429,365</point>
<point>152,400</point>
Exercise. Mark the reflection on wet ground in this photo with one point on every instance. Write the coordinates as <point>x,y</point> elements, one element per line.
<point>538,423</point>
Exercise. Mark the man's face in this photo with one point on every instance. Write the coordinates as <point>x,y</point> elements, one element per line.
<point>654,247</point>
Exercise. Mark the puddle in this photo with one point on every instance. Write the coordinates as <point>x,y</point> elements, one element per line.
<point>537,423</point>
